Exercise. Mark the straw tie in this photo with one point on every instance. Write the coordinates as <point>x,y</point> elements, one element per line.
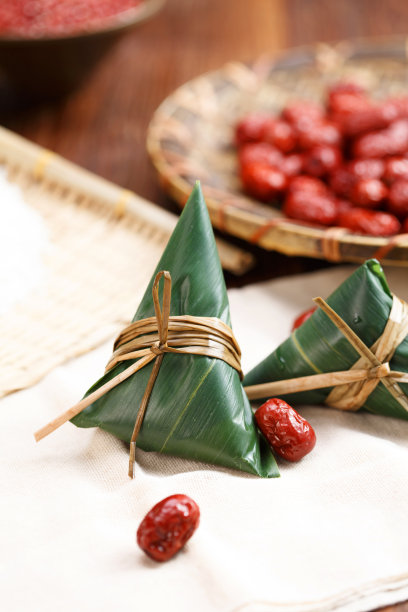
<point>352,387</point>
<point>150,339</point>
<point>353,396</point>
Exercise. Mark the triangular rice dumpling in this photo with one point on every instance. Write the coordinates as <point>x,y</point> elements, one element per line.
<point>363,301</point>
<point>197,408</point>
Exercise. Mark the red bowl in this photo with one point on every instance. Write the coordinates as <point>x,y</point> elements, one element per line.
<point>52,66</point>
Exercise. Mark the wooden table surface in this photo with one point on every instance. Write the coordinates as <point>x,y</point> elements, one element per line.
<point>102,126</point>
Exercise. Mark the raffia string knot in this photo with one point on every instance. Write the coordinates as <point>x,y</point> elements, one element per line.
<point>379,371</point>
<point>352,387</point>
<point>149,340</point>
<point>353,396</point>
<point>158,349</point>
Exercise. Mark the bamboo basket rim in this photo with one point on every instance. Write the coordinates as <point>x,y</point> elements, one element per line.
<point>257,223</point>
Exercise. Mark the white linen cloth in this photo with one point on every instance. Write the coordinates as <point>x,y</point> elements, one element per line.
<point>331,533</point>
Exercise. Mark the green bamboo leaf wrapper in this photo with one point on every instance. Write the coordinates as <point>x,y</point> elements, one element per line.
<point>198,408</point>
<point>364,302</point>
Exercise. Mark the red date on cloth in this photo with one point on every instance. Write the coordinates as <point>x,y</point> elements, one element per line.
<point>289,434</point>
<point>168,526</point>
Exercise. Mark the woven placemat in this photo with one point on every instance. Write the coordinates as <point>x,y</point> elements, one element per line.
<point>103,243</point>
<point>97,262</point>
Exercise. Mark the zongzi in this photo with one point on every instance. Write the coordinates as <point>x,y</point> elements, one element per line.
<point>195,406</point>
<point>351,353</point>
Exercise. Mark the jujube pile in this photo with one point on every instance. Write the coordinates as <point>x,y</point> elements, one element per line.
<point>344,164</point>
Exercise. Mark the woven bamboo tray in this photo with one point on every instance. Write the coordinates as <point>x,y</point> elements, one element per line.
<point>102,247</point>
<point>191,137</point>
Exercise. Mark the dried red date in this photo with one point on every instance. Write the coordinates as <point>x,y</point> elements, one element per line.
<point>291,165</point>
<point>346,98</point>
<point>299,113</point>
<point>391,141</point>
<point>318,133</point>
<point>342,181</point>
<point>322,160</point>
<point>310,207</point>
<point>250,128</point>
<point>167,526</point>
<point>398,134</point>
<point>400,106</point>
<point>343,205</point>
<point>280,134</point>
<point>343,105</point>
<point>369,193</point>
<point>396,168</point>
<point>376,144</point>
<point>260,152</point>
<point>289,434</point>
<point>307,183</point>
<point>371,222</point>
<point>398,198</point>
<point>366,119</point>
<point>345,87</point>
<point>263,181</point>
<point>304,316</point>
<point>367,168</point>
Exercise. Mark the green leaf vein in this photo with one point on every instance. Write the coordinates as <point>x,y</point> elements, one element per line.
<point>192,396</point>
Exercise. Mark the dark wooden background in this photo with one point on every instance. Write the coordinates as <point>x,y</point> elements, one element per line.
<point>102,126</point>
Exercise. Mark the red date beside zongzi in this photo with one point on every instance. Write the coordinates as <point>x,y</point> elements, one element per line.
<point>304,316</point>
<point>167,526</point>
<point>289,434</point>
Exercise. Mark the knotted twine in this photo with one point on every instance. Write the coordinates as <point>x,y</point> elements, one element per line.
<point>150,339</point>
<point>352,387</point>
